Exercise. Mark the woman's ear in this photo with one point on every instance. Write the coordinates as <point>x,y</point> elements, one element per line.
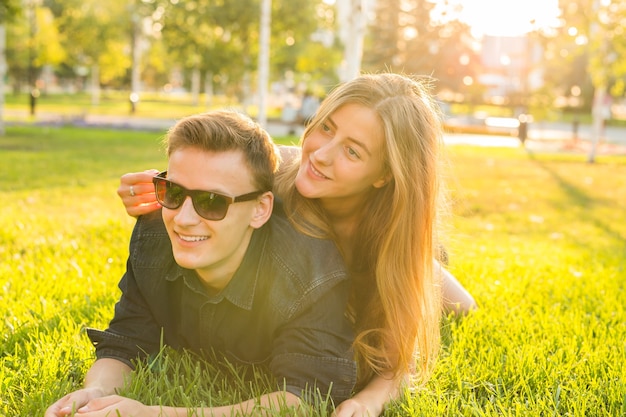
<point>262,210</point>
<point>383,181</point>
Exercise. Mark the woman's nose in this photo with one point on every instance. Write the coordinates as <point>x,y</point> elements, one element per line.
<point>325,153</point>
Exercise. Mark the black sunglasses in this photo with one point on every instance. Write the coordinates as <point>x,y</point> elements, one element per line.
<point>208,205</point>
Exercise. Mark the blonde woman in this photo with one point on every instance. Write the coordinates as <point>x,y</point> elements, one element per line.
<point>369,177</point>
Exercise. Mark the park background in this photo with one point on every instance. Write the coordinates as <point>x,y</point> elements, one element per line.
<point>537,232</point>
<point>553,60</point>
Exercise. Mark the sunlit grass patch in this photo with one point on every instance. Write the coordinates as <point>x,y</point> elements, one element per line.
<point>192,380</point>
<point>538,239</point>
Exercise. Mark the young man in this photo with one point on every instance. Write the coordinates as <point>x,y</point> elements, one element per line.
<point>214,271</point>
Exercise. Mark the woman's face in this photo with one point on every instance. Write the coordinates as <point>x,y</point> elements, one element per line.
<point>344,157</point>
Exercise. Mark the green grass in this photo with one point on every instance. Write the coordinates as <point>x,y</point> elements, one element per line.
<point>116,103</point>
<point>538,239</point>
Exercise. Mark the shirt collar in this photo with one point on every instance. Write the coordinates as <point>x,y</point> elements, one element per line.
<point>241,289</point>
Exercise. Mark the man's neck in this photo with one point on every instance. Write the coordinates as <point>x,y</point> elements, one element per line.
<point>219,275</point>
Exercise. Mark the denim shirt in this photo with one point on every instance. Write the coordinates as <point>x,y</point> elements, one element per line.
<point>284,308</point>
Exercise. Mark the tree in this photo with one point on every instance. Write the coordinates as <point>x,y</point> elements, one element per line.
<point>32,43</point>
<point>217,38</point>
<point>97,38</point>
<point>3,66</point>
<point>47,48</point>
<point>220,39</point>
<point>608,44</point>
<point>204,36</point>
<point>591,31</point>
<point>293,24</point>
<point>382,47</point>
<point>452,61</point>
<point>405,37</point>
<point>319,63</point>
<point>9,9</point>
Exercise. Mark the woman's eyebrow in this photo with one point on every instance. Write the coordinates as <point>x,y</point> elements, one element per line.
<point>361,145</point>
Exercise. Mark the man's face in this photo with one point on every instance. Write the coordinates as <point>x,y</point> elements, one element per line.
<point>214,249</point>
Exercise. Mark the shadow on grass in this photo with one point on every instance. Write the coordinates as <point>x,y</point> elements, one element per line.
<point>581,200</point>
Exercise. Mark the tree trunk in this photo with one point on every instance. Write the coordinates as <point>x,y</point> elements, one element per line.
<point>352,37</point>
<point>135,79</point>
<point>195,86</point>
<point>95,85</point>
<point>208,89</point>
<point>264,60</point>
<point>598,113</point>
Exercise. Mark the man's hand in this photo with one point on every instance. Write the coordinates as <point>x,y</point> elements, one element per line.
<point>68,405</point>
<point>115,405</point>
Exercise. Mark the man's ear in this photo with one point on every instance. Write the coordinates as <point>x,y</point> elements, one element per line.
<point>262,210</point>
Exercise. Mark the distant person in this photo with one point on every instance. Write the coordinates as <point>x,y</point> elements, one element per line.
<point>289,116</point>
<point>368,175</point>
<point>308,107</point>
<point>214,272</point>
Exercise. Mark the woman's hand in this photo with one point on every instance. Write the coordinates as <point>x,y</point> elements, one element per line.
<point>371,400</point>
<point>354,408</point>
<point>137,192</point>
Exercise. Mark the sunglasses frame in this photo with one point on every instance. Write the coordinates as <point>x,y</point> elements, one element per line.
<point>162,177</point>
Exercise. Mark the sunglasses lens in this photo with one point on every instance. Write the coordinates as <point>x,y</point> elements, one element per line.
<point>168,194</point>
<point>174,195</point>
<point>159,189</point>
<point>210,206</point>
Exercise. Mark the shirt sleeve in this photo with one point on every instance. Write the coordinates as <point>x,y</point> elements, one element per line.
<point>132,333</point>
<point>312,356</point>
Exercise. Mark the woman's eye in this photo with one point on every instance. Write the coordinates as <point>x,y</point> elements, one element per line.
<point>353,153</point>
<point>325,127</point>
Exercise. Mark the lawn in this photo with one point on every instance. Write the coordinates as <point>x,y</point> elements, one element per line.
<point>539,240</point>
<point>116,103</point>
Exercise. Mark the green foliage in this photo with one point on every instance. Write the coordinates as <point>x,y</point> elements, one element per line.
<point>586,49</point>
<point>318,63</point>
<point>97,34</point>
<point>537,239</point>
<point>9,9</point>
<point>85,41</point>
<point>49,50</point>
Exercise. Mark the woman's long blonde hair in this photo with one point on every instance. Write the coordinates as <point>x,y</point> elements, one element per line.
<point>396,302</point>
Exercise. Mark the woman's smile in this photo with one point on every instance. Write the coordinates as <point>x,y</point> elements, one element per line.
<point>315,172</point>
